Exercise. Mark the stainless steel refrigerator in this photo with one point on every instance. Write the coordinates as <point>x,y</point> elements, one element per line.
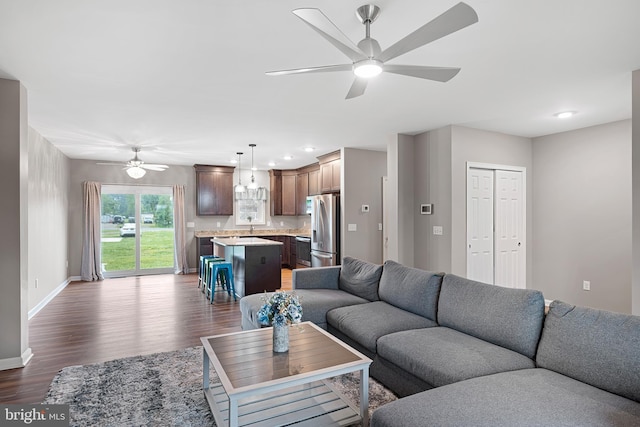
<point>325,229</point>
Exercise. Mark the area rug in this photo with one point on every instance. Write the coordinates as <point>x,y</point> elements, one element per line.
<point>162,389</point>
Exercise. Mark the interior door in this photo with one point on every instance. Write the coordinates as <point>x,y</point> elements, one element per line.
<point>480,225</point>
<point>510,252</point>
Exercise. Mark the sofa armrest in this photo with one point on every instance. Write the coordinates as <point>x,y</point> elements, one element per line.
<point>316,278</point>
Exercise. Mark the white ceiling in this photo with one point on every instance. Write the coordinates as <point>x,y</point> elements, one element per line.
<point>185,79</point>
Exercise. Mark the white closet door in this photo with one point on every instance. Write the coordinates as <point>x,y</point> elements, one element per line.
<point>480,225</point>
<point>510,242</point>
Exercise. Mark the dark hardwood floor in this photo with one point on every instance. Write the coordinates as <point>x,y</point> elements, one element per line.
<point>90,322</point>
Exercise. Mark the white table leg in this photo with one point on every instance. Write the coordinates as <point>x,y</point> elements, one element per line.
<point>205,370</point>
<point>364,396</point>
<point>233,412</point>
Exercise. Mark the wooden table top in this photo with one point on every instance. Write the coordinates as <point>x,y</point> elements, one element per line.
<point>246,359</point>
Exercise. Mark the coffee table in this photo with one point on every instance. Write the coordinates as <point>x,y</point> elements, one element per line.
<point>263,388</point>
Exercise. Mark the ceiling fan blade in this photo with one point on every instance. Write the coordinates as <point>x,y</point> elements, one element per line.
<point>454,19</point>
<point>154,167</point>
<point>440,74</point>
<point>323,69</point>
<point>327,29</point>
<point>111,164</point>
<point>357,88</point>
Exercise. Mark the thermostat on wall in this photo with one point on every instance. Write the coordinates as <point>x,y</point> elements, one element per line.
<point>426,209</point>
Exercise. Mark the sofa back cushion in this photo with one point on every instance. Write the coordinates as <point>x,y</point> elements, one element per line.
<point>596,347</point>
<point>360,278</point>
<point>510,318</point>
<point>410,289</point>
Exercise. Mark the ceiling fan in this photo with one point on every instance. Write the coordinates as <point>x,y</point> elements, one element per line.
<point>368,60</point>
<point>135,167</point>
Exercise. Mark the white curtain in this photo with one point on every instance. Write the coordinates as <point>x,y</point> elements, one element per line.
<point>180,240</point>
<point>91,259</point>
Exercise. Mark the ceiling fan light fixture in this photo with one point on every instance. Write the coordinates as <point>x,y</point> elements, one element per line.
<point>136,172</point>
<point>367,68</point>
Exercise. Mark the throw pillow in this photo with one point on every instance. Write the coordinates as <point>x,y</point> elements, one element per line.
<point>360,278</point>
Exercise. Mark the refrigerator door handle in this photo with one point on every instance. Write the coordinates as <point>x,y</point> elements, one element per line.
<point>321,256</point>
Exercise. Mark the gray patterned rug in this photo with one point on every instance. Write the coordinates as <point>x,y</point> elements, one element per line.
<point>162,389</point>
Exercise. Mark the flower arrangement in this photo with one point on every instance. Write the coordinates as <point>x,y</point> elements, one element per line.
<point>280,309</point>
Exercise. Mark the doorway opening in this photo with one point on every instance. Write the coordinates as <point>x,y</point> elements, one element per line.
<point>137,232</point>
<point>496,224</point>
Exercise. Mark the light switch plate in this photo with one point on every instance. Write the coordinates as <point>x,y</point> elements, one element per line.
<point>352,227</point>
<point>365,208</point>
<point>191,224</point>
<point>437,230</point>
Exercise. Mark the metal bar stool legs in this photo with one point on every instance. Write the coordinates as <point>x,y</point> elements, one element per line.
<point>222,272</point>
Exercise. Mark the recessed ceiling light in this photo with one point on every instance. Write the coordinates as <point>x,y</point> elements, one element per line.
<point>309,149</point>
<point>564,114</point>
<point>287,157</point>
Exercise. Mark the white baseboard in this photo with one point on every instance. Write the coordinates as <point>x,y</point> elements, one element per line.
<point>49,297</point>
<point>16,362</point>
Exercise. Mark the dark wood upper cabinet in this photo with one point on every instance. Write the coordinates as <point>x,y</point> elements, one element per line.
<point>283,192</point>
<point>330,172</point>
<point>214,190</point>
<point>302,191</point>
<point>314,182</point>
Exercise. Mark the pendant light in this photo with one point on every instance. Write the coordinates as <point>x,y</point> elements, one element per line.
<point>239,188</point>
<point>252,185</point>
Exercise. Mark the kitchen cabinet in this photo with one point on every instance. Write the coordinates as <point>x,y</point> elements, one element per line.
<point>314,182</point>
<point>285,250</point>
<point>214,190</point>
<point>302,191</point>
<point>256,263</point>
<point>283,192</point>
<point>330,172</point>
<point>292,252</point>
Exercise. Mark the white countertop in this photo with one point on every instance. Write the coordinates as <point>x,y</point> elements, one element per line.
<point>244,241</point>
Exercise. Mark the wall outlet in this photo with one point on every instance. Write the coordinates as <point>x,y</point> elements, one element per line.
<point>218,224</point>
<point>437,230</point>
<point>281,223</point>
<point>379,226</point>
<point>586,285</point>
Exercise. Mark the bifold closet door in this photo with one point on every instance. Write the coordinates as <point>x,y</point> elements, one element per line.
<point>480,193</point>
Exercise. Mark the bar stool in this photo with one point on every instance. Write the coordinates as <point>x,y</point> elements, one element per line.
<point>202,271</point>
<point>221,272</point>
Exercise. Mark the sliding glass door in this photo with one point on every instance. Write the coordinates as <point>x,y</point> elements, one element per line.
<point>137,230</point>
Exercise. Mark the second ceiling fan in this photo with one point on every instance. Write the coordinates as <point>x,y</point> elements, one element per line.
<point>369,60</point>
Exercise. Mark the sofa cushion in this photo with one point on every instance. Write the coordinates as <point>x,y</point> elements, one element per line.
<point>365,323</point>
<point>440,356</point>
<point>530,397</point>
<point>360,278</point>
<point>510,318</point>
<point>411,289</point>
<point>315,304</point>
<point>597,347</point>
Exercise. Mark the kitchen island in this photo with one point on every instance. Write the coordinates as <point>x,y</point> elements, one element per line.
<point>256,263</point>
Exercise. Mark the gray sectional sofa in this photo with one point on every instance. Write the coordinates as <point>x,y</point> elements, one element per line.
<point>461,352</point>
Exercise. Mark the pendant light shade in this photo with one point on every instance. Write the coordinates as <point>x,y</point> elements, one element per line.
<point>252,185</point>
<point>239,188</point>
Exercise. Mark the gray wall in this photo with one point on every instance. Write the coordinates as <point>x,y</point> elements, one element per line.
<point>14,337</point>
<point>472,145</point>
<point>362,185</point>
<point>433,185</point>
<point>87,170</point>
<point>440,164</point>
<point>48,218</point>
<point>635,291</point>
<point>582,216</point>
